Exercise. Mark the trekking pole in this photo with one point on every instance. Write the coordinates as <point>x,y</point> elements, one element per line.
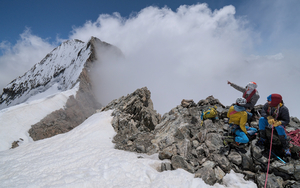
<point>278,158</point>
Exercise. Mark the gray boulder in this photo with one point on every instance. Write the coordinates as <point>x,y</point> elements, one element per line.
<point>235,157</point>
<point>178,161</point>
<point>273,181</point>
<point>207,174</point>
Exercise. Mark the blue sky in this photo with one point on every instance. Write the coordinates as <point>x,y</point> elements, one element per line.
<point>190,47</point>
<point>47,19</point>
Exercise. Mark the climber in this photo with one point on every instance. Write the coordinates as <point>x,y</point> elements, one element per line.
<point>274,113</point>
<point>237,119</point>
<point>250,94</point>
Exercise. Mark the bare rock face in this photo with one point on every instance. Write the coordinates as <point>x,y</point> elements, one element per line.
<point>77,110</point>
<point>134,121</point>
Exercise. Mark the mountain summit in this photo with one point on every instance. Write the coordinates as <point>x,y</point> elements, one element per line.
<point>60,70</point>
<point>67,67</point>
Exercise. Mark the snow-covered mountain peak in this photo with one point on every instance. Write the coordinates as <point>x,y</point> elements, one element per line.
<point>58,71</point>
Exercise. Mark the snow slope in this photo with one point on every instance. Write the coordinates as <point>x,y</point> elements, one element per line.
<point>61,67</point>
<point>15,121</point>
<point>85,157</point>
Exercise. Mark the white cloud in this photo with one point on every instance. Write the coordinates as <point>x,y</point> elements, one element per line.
<point>190,53</point>
<point>278,56</point>
<point>18,59</point>
<point>184,54</point>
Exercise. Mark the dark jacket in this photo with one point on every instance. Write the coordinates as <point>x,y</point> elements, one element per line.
<point>253,99</point>
<point>283,114</point>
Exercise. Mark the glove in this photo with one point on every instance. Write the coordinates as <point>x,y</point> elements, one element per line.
<point>276,123</point>
<point>271,121</point>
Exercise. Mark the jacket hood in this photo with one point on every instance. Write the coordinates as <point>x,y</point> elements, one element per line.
<point>239,108</point>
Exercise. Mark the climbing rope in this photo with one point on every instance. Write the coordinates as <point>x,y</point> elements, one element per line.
<point>269,157</point>
<point>295,137</point>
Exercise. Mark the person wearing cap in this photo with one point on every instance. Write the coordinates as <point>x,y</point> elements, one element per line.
<point>237,119</point>
<point>250,94</point>
<point>274,113</point>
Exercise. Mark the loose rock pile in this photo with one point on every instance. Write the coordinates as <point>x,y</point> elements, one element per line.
<point>134,121</point>
<point>179,137</point>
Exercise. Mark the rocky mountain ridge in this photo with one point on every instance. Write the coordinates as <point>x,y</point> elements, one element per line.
<point>179,138</point>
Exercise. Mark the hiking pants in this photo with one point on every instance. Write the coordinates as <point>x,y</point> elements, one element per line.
<point>263,123</point>
<point>241,137</point>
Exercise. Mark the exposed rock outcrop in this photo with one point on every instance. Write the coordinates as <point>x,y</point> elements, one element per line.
<point>134,121</point>
<point>77,110</point>
<point>199,149</point>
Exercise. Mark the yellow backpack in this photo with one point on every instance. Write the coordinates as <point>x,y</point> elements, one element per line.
<point>211,113</point>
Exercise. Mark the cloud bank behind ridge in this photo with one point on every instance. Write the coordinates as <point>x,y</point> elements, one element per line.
<point>188,53</point>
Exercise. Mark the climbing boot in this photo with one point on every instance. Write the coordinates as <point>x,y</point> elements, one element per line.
<point>287,152</point>
<point>261,143</point>
<point>285,145</point>
<point>262,139</point>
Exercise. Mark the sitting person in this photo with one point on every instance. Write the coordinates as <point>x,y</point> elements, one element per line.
<point>275,114</point>
<point>237,119</point>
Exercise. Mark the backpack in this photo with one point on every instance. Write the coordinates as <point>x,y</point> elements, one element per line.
<point>211,113</point>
